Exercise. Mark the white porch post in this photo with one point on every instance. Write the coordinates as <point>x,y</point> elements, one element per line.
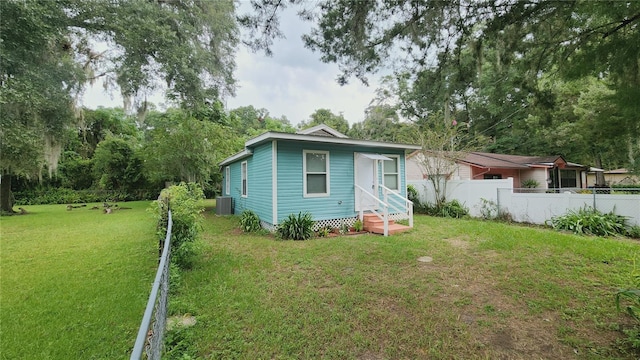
<point>410,214</point>
<point>386,220</point>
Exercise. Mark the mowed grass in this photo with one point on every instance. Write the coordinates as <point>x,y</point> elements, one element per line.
<point>492,291</point>
<point>74,284</point>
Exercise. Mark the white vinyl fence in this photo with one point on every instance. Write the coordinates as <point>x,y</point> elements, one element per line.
<point>467,192</point>
<point>529,205</point>
<point>536,208</point>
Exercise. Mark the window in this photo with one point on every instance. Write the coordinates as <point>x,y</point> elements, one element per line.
<point>391,172</point>
<point>227,180</point>
<point>568,179</point>
<point>315,167</point>
<point>243,171</point>
<point>492,176</point>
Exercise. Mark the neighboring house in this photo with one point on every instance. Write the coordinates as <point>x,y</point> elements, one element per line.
<point>549,172</point>
<point>318,170</point>
<point>616,177</point>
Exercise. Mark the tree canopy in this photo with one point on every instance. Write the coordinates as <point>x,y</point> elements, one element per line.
<point>325,116</point>
<point>50,50</point>
<point>500,66</point>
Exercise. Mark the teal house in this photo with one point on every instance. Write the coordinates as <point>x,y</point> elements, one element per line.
<point>321,171</point>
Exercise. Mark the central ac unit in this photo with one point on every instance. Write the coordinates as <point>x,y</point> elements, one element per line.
<point>224,205</point>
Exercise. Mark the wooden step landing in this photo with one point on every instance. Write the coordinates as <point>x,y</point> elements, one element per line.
<point>393,229</point>
<point>374,224</point>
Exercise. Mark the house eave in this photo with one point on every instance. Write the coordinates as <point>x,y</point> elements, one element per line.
<point>540,166</point>
<point>493,166</point>
<point>268,136</point>
<point>241,155</point>
<point>576,166</point>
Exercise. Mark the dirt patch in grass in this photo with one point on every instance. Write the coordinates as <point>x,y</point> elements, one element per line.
<point>495,322</point>
<point>184,321</point>
<point>459,242</point>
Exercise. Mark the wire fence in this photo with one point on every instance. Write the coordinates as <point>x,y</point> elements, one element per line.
<point>150,340</point>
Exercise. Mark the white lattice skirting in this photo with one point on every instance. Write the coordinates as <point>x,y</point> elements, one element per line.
<point>333,223</point>
<point>268,226</point>
<point>398,216</point>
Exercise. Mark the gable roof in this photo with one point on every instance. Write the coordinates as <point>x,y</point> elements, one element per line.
<point>322,130</point>
<point>490,160</point>
<point>314,137</point>
<point>503,161</point>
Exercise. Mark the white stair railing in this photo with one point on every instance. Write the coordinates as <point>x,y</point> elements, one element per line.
<point>398,202</point>
<point>364,194</point>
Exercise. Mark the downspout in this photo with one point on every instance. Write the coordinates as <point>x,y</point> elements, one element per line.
<point>376,174</point>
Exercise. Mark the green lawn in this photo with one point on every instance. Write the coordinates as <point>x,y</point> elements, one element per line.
<point>74,284</point>
<point>492,291</point>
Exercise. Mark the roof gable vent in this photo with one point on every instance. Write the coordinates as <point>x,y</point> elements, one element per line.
<point>322,130</point>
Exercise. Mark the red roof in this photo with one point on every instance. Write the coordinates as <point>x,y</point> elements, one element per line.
<point>490,160</point>
<point>502,161</point>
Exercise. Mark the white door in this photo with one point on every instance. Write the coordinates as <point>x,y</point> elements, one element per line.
<point>365,175</point>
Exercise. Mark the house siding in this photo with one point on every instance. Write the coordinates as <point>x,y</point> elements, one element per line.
<point>340,203</point>
<point>464,172</point>
<point>259,179</point>
<point>614,179</point>
<point>539,175</point>
<point>416,172</point>
<point>414,169</point>
<point>235,184</point>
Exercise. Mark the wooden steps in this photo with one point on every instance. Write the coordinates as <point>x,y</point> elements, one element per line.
<point>372,223</point>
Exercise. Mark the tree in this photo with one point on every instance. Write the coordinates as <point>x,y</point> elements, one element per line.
<point>272,124</point>
<point>116,166</point>
<point>249,121</point>
<point>75,171</point>
<point>180,147</point>
<point>325,116</point>
<point>363,37</point>
<point>96,125</point>
<point>35,104</point>
<point>247,117</point>
<point>481,62</point>
<point>48,54</point>
<point>443,144</point>
<point>382,123</point>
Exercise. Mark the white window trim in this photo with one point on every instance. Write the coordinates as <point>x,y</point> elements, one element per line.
<point>244,177</point>
<point>398,181</point>
<point>304,173</point>
<point>227,180</point>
